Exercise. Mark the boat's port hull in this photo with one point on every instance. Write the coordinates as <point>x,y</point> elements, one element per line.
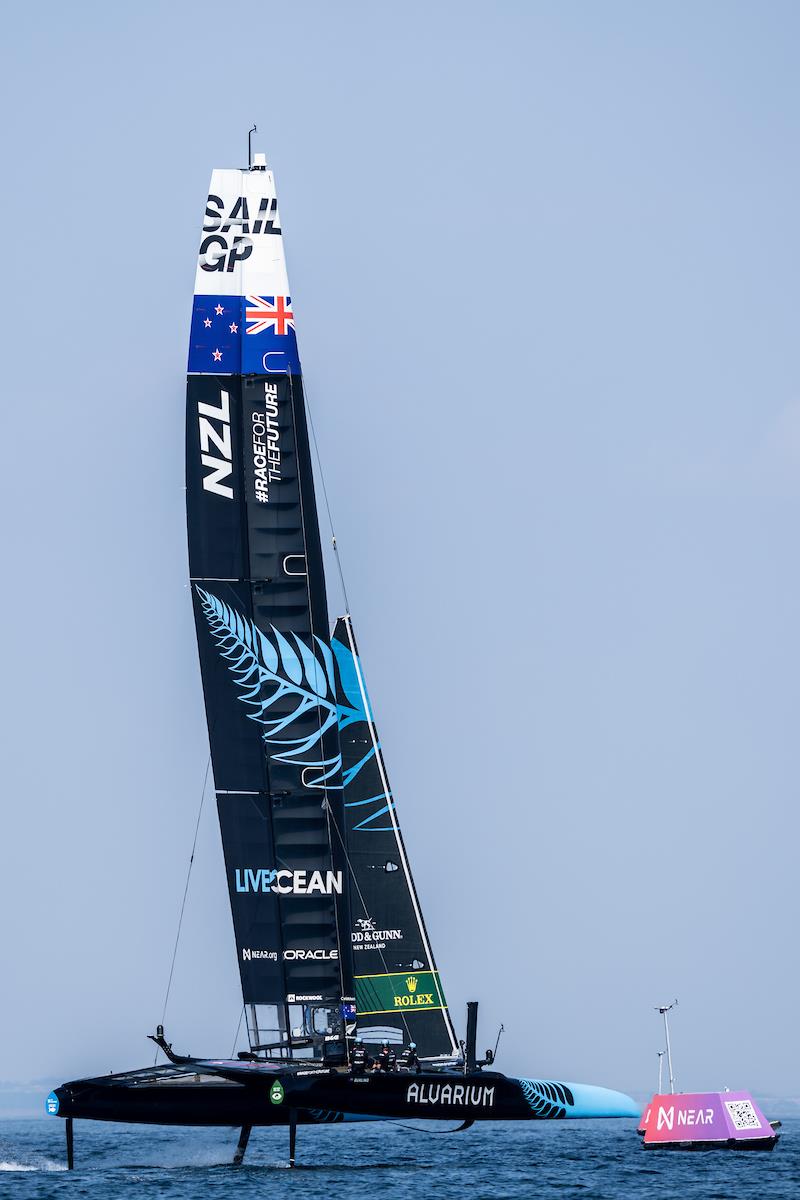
<point>202,1104</point>
<point>172,1096</point>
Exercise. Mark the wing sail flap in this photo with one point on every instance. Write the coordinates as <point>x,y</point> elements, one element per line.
<point>399,993</point>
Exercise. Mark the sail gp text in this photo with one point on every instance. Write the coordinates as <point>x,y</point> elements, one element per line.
<point>266,444</point>
<point>222,249</point>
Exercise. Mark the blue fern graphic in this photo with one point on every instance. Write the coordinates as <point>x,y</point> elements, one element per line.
<point>546,1099</point>
<point>352,687</point>
<point>269,668</point>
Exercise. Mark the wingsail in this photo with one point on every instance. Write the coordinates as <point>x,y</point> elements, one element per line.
<point>262,624</point>
<point>323,900</point>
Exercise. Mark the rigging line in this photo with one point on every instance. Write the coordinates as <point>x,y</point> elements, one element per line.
<point>415,901</point>
<point>298,426</point>
<point>325,497</point>
<point>186,888</point>
<point>354,880</point>
<point>238,1028</point>
<point>448,1021</point>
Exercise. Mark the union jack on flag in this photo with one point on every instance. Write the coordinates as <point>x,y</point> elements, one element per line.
<point>269,312</point>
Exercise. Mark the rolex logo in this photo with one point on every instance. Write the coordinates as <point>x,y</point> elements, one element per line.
<point>414,999</point>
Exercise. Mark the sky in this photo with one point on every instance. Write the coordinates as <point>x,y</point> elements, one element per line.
<point>544,263</point>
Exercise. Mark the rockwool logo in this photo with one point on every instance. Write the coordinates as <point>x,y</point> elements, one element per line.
<point>215,435</point>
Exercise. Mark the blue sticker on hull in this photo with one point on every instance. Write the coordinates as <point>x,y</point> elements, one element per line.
<point>51,1105</point>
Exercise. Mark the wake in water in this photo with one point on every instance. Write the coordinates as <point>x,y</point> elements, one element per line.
<point>44,1164</point>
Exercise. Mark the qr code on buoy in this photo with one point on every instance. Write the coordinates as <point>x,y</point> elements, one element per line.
<point>743,1114</point>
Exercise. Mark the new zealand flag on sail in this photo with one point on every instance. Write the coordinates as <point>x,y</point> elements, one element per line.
<point>248,335</point>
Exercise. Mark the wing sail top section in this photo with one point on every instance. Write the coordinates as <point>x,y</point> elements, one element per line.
<point>242,316</point>
<point>399,992</point>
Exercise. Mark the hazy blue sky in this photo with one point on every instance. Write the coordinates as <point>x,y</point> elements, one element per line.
<point>544,258</point>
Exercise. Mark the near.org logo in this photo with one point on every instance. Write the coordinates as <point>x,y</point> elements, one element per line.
<point>248,955</point>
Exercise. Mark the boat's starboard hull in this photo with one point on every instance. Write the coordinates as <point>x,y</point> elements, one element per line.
<point>180,1096</point>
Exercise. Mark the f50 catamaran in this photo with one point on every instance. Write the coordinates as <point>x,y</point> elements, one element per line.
<point>330,937</point>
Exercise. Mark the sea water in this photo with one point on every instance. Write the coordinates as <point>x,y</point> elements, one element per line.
<point>491,1161</point>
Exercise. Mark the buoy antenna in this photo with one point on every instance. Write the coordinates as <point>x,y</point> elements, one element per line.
<point>663,1009</point>
<point>250,147</point>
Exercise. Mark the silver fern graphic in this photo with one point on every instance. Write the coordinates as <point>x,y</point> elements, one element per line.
<point>283,681</point>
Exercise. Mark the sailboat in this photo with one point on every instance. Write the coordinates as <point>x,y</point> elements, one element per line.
<point>330,937</point>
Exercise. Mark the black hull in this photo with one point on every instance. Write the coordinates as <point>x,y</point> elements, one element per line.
<point>168,1096</point>
<point>202,1104</point>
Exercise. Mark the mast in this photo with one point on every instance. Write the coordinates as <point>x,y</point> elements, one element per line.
<point>261,617</point>
<point>664,1009</point>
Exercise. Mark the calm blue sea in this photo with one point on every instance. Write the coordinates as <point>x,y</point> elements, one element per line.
<point>587,1159</point>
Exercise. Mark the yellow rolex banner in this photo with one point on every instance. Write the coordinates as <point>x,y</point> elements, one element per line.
<point>400,991</point>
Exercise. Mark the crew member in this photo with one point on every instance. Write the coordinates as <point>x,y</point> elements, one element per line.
<point>360,1059</point>
<point>387,1059</point>
<point>409,1060</point>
